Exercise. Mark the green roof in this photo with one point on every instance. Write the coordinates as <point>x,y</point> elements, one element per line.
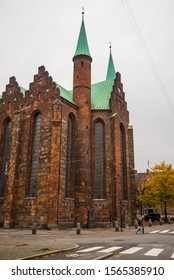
<point>101,92</point>
<point>111,69</point>
<point>68,95</point>
<point>82,44</point>
<point>23,90</point>
<point>100,95</point>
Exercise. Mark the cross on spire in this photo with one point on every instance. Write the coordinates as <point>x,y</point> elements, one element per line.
<point>83,12</point>
<point>82,44</point>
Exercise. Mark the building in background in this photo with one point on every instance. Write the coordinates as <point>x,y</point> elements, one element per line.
<point>67,156</point>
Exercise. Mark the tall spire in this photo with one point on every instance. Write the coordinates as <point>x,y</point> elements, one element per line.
<point>111,68</point>
<point>82,44</point>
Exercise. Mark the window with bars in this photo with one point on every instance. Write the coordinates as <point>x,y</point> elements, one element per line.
<point>99,160</point>
<point>5,157</point>
<point>35,154</point>
<point>69,156</point>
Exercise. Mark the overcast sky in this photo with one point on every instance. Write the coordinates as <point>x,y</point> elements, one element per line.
<point>45,32</point>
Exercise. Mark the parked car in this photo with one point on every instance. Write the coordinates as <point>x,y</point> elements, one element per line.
<point>153,216</point>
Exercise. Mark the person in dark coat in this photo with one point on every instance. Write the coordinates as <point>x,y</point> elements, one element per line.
<point>140,226</point>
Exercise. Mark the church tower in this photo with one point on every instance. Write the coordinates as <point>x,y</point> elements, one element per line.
<point>82,69</point>
<point>82,97</point>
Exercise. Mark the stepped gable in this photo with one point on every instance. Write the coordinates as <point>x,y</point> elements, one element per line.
<point>12,97</point>
<point>117,101</point>
<point>43,88</point>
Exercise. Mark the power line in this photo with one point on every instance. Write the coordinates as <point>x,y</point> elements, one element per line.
<point>157,143</point>
<point>154,148</point>
<point>137,30</point>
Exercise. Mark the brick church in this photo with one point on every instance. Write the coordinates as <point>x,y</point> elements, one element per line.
<point>67,156</point>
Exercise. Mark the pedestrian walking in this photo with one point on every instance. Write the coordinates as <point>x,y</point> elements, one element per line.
<point>140,226</point>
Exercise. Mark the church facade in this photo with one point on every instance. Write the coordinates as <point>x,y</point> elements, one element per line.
<point>67,156</point>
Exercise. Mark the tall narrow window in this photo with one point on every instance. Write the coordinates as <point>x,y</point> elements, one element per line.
<point>69,156</point>
<point>5,157</point>
<point>35,154</point>
<point>123,163</point>
<point>99,161</point>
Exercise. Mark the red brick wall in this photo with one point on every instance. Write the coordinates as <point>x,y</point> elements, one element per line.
<point>50,207</point>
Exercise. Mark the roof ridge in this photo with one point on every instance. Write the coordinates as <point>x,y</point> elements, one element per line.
<point>66,94</point>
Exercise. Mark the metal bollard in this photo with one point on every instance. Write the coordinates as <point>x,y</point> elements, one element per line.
<point>34,228</point>
<point>160,221</point>
<point>136,224</point>
<point>169,221</point>
<point>78,228</point>
<point>150,222</point>
<point>116,226</point>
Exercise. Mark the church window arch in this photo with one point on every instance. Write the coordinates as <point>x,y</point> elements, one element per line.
<point>99,155</point>
<point>35,145</point>
<point>69,184</point>
<point>5,155</point>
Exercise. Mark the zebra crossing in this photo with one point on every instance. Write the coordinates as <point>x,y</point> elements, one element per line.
<point>107,250</point>
<point>143,250</point>
<point>137,251</point>
<point>166,231</point>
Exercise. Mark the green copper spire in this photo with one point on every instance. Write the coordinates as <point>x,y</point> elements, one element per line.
<point>111,68</point>
<point>82,44</point>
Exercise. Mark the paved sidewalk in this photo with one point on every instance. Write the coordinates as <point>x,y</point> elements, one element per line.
<point>21,243</point>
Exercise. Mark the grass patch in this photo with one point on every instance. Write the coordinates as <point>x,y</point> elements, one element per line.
<point>22,245</point>
<point>42,250</point>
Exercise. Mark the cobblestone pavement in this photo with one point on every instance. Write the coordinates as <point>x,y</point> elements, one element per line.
<point>21,243</point>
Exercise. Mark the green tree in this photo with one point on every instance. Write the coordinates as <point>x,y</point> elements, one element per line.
<point>159,188</point>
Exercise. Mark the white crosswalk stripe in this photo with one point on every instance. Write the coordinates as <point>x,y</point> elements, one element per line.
<point>89,249</point>
<point>154,252</point>
<point>165,231</point>
<point>111,249</point>
<point>131,250</point>
<point>162,231</point>
<point>155,231</point>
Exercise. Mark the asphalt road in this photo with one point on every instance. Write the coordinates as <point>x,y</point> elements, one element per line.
<point>156,244</point>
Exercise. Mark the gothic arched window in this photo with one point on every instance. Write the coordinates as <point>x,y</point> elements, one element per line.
<point>123,163</point>
<point>99,160</point>
<point>35,154</point>
<point>5,157</point>
<point>69,158</point>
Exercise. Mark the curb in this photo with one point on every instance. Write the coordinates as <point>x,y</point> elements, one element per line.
<point>104,256</point>
<point>49,253</point>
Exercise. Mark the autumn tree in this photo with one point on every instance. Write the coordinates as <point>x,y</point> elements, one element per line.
<point>159,188</point>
